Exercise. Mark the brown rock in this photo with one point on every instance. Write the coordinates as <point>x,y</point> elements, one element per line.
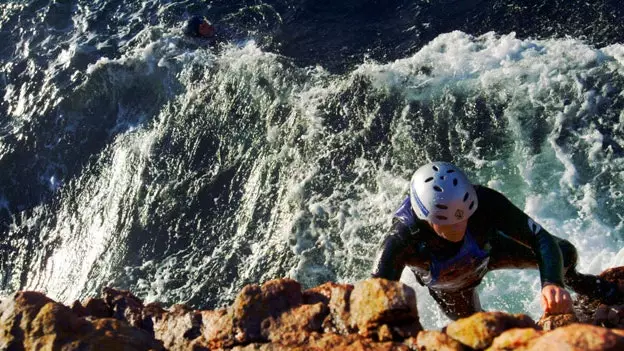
<point>515,339</point>
<point>254,304</point>
<point>178,328</point>
<point>293,327</point>
<point>17,315</point>
<point>479,330</point>
<point>579,337</point>
<point>338,319</point>
<point>553,321</point>
<point>112,334</point>
<point>433,340</point>
<point>78,309</point>
<point>97,308</point>
<point>321,293</point>
<point>375,302</point>
<point>31,321</point>
<point>124,306</point>
<point>216,329</point>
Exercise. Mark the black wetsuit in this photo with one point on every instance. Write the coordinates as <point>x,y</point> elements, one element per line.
<point>499,235</point>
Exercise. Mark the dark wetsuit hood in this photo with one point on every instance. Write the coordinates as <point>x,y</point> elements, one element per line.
<point>192,26</point>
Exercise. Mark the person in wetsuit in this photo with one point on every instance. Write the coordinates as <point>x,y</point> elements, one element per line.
<point>451,233</point>
<point>199,27</point>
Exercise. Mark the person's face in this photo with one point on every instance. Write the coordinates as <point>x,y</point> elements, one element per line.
<point>206,29</point>
<point>452,232</point>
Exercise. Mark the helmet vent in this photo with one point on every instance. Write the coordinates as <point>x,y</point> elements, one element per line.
<point>442,207</point>
<point>442,177</point>
<point>466,197</point>
<point>428,179</point>
<point>455,182</point>
<point>437,188</point>
<point>450,171</point>
<point>471,205</point>
<point>435,168</point>
<point>443,218</point>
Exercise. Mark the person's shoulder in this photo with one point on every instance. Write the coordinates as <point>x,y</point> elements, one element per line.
<point>485,193</point>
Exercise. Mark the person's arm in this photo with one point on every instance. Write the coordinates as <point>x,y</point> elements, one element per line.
<point>393,253</point>
<point>516,224</point>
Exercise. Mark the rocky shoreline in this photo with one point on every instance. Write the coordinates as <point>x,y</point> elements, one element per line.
<point>373,314</point>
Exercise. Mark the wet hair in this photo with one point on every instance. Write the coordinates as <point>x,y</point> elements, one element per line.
<point>192,25</point>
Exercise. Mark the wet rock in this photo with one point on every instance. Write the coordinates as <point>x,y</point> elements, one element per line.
<point>254,304</point>
<point>515,339</point>
<point>579,337</point>
<point>375,302</point>
<point>479,330</point>
<point>433,340</point>
<point>551,322</point>
<point>586,306</point>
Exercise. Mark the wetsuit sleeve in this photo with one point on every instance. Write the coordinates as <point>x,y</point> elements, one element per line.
<point>516,224</point>
<point>393,254</point>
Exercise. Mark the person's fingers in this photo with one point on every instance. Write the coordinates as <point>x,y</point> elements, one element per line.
<point>545,306</point>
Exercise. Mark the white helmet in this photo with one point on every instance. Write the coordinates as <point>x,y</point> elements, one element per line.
<point>442,194</point>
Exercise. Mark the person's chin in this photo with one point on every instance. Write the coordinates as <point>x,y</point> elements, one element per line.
<point>454,237</point>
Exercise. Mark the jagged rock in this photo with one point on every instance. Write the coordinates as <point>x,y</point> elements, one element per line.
<point>32,321</point>
<point>124,306</point>
<point>579,337</point>
<point>113,334</point>
<point>587,306</point>
<point>609,316</point>
<point>293,327</point>
<point>178,328</point>
<point>433,340</point>
<point>515,339</point>
<point>97,308</point>
<point>479,330</point>
<point>551,322</point>
<point>254,304</point>
<point>216,330</point>
<point>375,302</point>
<point>338,319</point>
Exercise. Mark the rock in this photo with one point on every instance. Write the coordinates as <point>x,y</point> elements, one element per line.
<point>31,321</point>
<point>178,328</point>
<point>338,319</point>
<point>433,340</point>
<point>254,304</point>
<point>609,316</point>
<point>579,337</point>
<point>113,334</point>
<point>586,306</point>
<point>216,329</point>
<point>17,315</point>
<point>124,306</point>
<point>551,322</point>
<point>515,339</point>
<point>293,327</point>
<point>375,302</point>
<point>97,308</point>
<point>479,330</point>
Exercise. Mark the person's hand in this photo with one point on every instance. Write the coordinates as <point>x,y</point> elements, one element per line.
<point>556,300</point>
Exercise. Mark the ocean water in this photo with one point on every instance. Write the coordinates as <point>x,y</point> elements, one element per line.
<point>135,157</point>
